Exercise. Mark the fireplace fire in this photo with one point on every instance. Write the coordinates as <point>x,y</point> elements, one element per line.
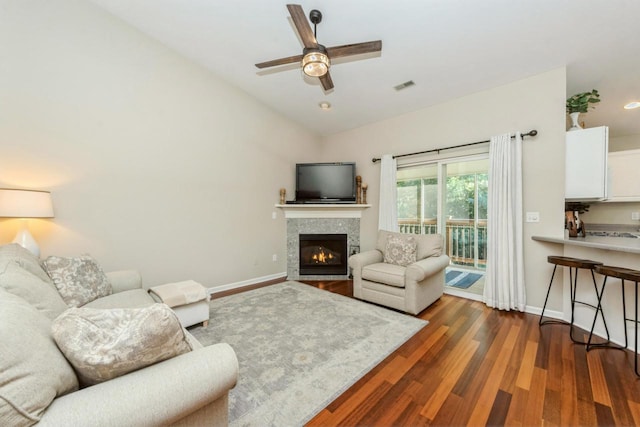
<point>323,254</point>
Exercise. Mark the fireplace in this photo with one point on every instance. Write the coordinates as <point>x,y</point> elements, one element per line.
<point>323,254</point>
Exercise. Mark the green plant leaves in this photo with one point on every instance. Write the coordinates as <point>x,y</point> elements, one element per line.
<point>579,103</point>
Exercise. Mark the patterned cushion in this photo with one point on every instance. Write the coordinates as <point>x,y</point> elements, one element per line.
<point>79,280</point>
<point>33,372</point>
<point>400,250</point>
<point>428,245</point>
<point>102,344</point>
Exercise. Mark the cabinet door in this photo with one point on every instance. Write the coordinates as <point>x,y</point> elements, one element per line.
<point>624,173</point>
<point>586,164</point>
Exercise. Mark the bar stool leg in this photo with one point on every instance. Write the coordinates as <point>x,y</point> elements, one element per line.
<point>635,355</point>
<point>600,295</point>
<point>595,318</point>
<point>540,322</point>
<point>573,285</point>
<point>624,316</point>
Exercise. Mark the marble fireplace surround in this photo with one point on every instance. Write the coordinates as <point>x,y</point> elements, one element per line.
<point>319,219</point>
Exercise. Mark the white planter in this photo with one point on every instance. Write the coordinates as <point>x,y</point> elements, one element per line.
<point>574,121</point>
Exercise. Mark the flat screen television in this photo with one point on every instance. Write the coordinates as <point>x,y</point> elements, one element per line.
<point>326,182</point>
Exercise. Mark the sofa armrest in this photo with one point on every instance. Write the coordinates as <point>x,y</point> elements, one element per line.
<point>124,280</point>
<point>160,394</point>
<point>426,267</point>
<point>358,261</point>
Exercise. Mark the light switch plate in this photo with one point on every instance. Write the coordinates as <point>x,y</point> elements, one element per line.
<point>533,217</point>
<point>635,216</point>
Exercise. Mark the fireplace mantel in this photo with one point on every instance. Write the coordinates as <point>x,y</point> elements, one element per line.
<point>323,210</point>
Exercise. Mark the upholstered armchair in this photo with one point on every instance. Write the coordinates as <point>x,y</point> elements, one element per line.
<point>404,271</point>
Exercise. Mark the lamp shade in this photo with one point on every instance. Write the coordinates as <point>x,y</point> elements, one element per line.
<point>25,204</point>
<point>315,64</point>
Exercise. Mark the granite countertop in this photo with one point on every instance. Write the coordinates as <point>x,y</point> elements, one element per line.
<point>605,242</point>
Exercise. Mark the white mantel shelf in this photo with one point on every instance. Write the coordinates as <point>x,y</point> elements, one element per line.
<point>323,210</point>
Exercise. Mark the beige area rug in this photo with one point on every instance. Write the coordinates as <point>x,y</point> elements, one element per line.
<point>299,348</point>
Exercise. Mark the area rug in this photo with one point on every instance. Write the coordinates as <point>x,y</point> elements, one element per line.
<point>461,279</point>
<point>299,348</point>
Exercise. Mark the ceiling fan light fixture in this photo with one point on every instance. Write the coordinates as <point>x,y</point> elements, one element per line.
<point>315,63</point>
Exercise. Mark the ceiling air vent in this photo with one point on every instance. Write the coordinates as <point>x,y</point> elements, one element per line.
<point>404,85</point>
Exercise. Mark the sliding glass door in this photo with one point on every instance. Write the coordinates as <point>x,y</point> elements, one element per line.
<point>448,197</point>
<point>466,212</point>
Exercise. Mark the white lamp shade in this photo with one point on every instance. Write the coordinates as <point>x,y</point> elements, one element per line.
<point>25,204</point>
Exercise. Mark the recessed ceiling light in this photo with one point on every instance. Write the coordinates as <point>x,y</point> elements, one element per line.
<point>632,105</point>
<point>324,105</point>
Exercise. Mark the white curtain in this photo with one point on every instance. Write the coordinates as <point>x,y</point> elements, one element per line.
<point>388,210</point>
<point>504,281</point>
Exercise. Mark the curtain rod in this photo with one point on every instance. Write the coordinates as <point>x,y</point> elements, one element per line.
<point>530,133</point>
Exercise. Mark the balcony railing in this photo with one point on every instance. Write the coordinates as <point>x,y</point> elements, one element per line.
<point>460,238</point>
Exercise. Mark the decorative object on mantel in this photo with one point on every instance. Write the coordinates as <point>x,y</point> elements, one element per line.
<point>364,194</point>
<point>358,189</point>
<point>579,103</point>
<point>283,194</point>
<point>25,204</point>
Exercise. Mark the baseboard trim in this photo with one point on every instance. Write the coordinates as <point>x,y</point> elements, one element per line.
<point>558,315</point>
<point>462,294</point>
<point>249,282</point>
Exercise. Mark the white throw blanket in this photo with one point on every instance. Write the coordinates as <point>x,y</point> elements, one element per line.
<point>180,293</point>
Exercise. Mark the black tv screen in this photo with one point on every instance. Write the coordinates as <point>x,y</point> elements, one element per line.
<point>326,182</point>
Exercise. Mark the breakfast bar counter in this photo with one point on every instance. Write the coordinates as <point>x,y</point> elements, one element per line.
<point>620,244</point>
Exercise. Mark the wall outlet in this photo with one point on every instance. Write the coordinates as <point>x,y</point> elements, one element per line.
<point>275,257</point>
<point>635,216</point>
<point>533,217</point>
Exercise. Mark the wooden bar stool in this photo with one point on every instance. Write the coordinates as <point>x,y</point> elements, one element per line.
<point>574,265</point>
<point>622,274</point>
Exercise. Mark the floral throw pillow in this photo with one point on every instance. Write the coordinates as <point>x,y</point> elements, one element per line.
<point>400,250</point>
<point>79,280</point>
<point>102,344</point>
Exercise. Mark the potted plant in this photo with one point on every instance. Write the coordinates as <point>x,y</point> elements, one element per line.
<point>579,103</point>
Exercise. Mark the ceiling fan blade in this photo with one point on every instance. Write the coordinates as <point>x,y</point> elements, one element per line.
<point>281,61</point>
<point>326,81</point>
<point>302,25</point>
<point>354,49</point>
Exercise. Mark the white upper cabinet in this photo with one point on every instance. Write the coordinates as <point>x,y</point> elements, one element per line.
<point>624,176</point>
<point>586,164</point>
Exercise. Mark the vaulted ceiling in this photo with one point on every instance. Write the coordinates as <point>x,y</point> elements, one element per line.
<point>447,48</point>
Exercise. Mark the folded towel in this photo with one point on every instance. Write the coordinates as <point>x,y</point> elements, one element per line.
<point>180,293</point>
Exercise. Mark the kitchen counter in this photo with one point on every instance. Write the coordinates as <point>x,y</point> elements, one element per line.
<point>620,244</point>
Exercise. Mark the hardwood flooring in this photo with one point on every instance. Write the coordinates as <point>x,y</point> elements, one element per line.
<point>477,366</point>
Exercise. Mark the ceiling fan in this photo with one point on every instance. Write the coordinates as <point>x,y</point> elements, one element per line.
<point>315,58</point>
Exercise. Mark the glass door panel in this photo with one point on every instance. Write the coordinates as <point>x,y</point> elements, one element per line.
<point>418,199</point>
<point>465,211</point>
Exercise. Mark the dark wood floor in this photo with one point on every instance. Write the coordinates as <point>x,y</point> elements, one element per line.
<point>476,366</point>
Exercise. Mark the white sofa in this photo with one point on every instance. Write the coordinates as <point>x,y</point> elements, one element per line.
<point>410,288</point>
<point>190,389</point>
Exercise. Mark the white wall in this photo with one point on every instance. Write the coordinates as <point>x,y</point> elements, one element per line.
<point>533,103</point>
<point>153,162</point>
